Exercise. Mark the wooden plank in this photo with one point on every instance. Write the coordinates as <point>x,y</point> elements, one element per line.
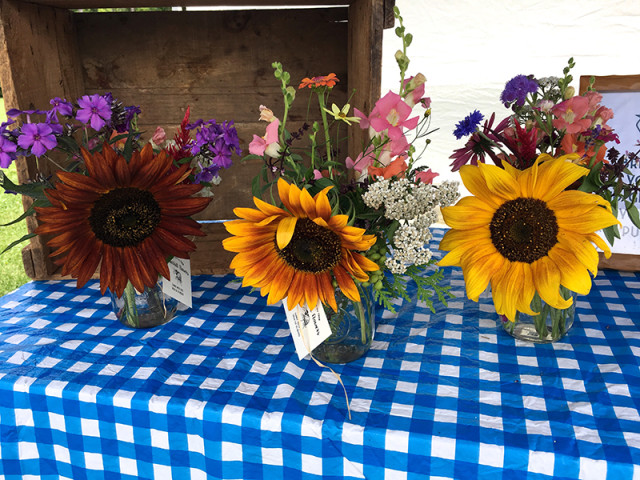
<point>611,83</point>
<point>182,3</point>
<point>619,261</point>
<point>366,21</point>
<point>38,61</point>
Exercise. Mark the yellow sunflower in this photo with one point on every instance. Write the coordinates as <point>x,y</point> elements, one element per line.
<point>524,233</point>
<point>127,217</point>
<point>297,252</point>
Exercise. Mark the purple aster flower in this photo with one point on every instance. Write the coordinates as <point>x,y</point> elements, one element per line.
<point>95,110</point>
<point>61,106</point>
<point>7,152</point>
<point>468,125</point>
<point>37,136</point>
<point>517,89</point>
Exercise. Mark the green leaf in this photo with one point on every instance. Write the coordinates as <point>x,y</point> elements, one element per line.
<point>19,241</point>
<point>408,38</point>
<point>632,210</point>
<point>34,190</point>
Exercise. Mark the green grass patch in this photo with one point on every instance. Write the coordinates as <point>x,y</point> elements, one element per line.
<point>11,269</point>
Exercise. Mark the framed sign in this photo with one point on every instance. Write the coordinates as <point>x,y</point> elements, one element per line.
<point>621,93</point>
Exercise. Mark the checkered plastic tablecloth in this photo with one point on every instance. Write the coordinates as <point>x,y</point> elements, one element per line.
<point>219,392</point>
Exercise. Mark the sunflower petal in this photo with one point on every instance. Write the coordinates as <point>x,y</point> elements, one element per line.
<point>284,234</point>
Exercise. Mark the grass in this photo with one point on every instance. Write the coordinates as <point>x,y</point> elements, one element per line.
<point>11,269</point>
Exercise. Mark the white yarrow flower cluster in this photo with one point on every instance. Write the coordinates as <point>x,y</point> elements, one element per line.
<point>414,206</point>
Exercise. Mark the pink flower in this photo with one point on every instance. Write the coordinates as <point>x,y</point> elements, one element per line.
<point>570,115</point>
<point>159,136</point>
<point>266,114</point>
<point>362,161</point>
<point>267,144</point>
<point>364,120</point>
<point>594,99</point>
<point>391,114</point>
<point>426,177</point>
<point>415,89</point>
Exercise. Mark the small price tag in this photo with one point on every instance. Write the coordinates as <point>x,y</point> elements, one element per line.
<point>179,287</point>
<point>309,328</point>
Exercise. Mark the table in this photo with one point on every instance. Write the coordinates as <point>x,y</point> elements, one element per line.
<point>219,392</point>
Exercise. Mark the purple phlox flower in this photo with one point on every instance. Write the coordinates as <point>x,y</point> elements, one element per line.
<point>221,155</point>
<point>37,136</point>
<point>129,113</point>
<point>468,125</point>
<point>206,174</point>
<point>230,135</point>
<point>61,106</point>
<point>15,113</point>
<point>52,121</point>
<point>94,110</point>
<point>7,152</point>
<point>4,125</point>
<point>517,89</point>
<point>198,123</point>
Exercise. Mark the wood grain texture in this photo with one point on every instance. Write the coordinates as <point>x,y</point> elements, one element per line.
<point>180,3</point>
<point>217,62</point>
<point>611,83</point>
<point>38,60</point>
<point>620,261</point>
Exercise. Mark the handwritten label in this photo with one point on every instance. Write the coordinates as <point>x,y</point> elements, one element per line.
<point>179,287</point>
<point>309,328</point>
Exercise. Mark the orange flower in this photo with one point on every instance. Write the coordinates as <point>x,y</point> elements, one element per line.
<point>322,81</point>
<point>394,169</point>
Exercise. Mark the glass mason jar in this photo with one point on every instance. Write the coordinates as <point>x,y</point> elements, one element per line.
<point>549,325</point>
<point>352,327</point>
<point>144,310</point>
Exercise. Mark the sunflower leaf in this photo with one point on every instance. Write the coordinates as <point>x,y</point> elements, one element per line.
<point>34,190</point>
<point>19,241</point>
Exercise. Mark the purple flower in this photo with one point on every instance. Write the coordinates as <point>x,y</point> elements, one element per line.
<point>7,152</point>
<point>221,155</point>
<point>61,106</point>
<point>468,125</point>
<point>206,174</point>
<point>517,89</point>
<point>37,136</point>
<point>95,110</point>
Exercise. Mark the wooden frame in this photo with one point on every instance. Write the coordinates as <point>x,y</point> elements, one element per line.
<point>604,84</point>
<point>217,62</point>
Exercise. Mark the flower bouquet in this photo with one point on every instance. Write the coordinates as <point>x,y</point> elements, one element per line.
<point>345,229</point>
<point>529,227</point>
<point>115,205</point>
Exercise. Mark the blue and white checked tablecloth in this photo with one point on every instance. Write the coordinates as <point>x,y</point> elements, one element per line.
<point>220,393</point>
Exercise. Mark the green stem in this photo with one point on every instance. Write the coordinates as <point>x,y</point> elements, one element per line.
<point>325,126</point>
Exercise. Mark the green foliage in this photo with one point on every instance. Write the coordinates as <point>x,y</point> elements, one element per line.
<point>13,274</point>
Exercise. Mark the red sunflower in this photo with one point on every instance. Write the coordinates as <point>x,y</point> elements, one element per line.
<point>127,217</point>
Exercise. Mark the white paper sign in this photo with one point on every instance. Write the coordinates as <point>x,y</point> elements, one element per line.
<point>179,287</point>
<point>626,122</point>
<point>310,324</point>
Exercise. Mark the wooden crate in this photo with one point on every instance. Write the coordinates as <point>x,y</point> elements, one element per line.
<point>217,62</point>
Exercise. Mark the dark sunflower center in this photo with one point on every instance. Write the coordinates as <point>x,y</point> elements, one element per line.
<point>524,230</point>
<point>124,217</point>
<point>312,249</point>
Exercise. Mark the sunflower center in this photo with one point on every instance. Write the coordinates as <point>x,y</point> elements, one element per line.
<point>312,249</point>
<point>124,217</point>
<point>524,229</point>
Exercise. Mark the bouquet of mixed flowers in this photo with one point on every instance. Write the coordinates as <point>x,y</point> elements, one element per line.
<point>115,202</point>
<point>548,117</point>
<point>343,222</point>
<point>529,228</point>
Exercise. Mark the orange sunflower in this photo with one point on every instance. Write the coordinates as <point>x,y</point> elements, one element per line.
<point>524,233</point>
<point>127,217</point>
<point>321,81</point>
<point>297,252</point>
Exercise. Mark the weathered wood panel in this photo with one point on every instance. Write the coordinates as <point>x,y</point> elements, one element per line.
<point>38,60</point>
